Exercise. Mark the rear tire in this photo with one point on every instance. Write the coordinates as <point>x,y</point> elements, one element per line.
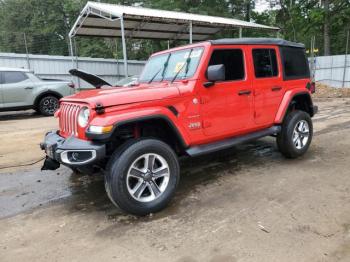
<point>296,134</point>
<point>48,105</point>
<point>142,176</point>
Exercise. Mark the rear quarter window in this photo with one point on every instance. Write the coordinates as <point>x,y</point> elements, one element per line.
<point>294,62</point>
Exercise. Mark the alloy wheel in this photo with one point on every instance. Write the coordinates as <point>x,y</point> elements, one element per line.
<point>301,134</point>
<point>50,105</point>
<point>148,177</point>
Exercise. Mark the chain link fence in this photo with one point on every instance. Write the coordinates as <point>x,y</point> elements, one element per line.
<point>50,59</point>
<point>333,70</point>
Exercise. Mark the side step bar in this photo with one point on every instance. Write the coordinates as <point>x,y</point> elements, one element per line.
<point>227,143</point>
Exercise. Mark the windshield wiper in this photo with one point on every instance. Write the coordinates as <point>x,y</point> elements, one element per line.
<point>154,76</point>
<point>188,60</point>
<point>165,65</point>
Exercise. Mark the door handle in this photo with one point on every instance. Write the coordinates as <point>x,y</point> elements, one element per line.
<point>276,88</point>
<point>28,87</point>
<point>244,93</point>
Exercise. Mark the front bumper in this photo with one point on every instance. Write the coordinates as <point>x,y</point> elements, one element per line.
<point>71,151</point>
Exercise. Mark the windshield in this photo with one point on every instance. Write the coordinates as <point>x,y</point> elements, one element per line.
<point>166,66</point>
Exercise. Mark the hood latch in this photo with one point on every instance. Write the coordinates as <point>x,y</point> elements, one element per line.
<point>99,108</point>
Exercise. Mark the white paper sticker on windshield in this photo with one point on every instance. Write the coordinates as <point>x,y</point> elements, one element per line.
<point>195,53</point>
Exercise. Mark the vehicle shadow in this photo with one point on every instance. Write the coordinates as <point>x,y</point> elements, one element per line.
<point>88,192</point>
<point>19,115</point>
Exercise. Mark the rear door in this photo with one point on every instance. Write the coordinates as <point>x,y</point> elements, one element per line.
<point>267,83</point>
<point>17,89</point>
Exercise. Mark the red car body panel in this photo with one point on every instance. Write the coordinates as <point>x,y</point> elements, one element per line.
<point>204,114</point>
<point>126,95</point>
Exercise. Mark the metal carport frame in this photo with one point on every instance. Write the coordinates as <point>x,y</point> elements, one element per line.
<point>114,21</point>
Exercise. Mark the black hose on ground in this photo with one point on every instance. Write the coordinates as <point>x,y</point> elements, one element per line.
<point>29,164</point>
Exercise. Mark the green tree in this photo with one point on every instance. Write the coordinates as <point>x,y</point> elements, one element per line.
<point>327,20</point>
<point>46,24</point>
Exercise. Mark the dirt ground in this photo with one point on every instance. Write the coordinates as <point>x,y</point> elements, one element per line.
<point>20,135</point>
<point>324,91</point>
<point>243,204</point>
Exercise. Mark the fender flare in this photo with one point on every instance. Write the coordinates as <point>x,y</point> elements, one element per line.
<point>287,98</point>
<point>133,116</point>
<point>155,117</point>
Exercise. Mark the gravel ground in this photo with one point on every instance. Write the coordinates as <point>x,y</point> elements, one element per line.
<point>243,204</point>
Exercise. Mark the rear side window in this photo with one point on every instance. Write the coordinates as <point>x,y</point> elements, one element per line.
<point>233,61</point>
<point>265,63</point>
<point>295,64</point>
<point>13,77</point>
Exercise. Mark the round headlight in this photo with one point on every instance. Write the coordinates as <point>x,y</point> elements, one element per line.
<point>83,117</point>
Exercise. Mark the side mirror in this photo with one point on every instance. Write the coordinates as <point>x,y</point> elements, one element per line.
<point>215,73</point>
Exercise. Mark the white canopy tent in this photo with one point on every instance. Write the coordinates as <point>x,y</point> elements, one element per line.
<point>111,21</point>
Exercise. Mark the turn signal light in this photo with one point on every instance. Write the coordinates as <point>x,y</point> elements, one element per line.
<point>100,129</point>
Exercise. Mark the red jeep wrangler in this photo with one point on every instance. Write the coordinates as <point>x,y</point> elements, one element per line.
<point>190,101</point>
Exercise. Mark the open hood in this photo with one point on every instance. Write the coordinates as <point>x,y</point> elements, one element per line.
<point>89,78</point>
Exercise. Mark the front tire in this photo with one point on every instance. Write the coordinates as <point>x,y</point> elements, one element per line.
<point>296,134</point>
<point>142,176</point>
<point>48,105</point>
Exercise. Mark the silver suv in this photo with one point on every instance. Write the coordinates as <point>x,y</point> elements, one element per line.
<point>20,89</point>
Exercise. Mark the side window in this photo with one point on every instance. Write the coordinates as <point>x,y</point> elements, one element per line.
<point>265,63</point>
<point>13,77</point>
<point>233,61</point>
<point>295,63</point>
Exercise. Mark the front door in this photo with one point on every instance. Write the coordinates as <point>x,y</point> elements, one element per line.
<point>17,89</point>
<point>226,107</point>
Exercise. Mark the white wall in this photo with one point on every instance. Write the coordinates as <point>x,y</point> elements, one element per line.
<point>57,67</point>
<point>330,70</point>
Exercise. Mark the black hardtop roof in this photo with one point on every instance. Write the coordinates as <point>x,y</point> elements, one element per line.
<point>256,41</point>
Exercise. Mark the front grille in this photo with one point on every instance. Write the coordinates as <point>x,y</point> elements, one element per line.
<point>68,119</point>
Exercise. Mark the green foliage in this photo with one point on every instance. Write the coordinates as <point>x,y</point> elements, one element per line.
<point>301,20</point>
<point>45,24</point>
